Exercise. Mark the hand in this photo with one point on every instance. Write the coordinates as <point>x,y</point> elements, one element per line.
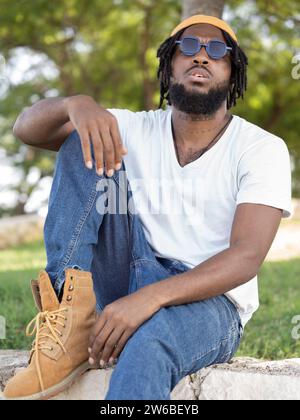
<point>118,321</point>
<point>98,126</point>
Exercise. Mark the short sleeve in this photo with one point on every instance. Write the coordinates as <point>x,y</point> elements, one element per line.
<point>264,175</point>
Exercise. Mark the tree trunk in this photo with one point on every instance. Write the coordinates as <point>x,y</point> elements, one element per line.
<point>148,85</point>
<point>203,7</point>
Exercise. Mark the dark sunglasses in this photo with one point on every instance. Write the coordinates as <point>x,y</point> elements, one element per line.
<point>215,48</point>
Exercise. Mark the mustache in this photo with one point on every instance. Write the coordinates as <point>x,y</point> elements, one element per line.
<point>197,67</point>
<point>219,86</point>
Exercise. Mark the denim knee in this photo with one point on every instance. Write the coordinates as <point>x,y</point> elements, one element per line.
<point>71,146</point>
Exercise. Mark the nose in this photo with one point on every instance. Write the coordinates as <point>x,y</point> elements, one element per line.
<point>201,57</point>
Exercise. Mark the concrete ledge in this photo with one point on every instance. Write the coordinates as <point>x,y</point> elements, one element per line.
<point>243,379</point>
<point>10,362</point>
<point>249,379</point>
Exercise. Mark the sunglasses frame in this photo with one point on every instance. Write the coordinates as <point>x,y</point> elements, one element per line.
<point>206,46</point>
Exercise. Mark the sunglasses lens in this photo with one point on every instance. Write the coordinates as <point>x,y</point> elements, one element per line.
<point>189,46</point>
<point>216,49</point>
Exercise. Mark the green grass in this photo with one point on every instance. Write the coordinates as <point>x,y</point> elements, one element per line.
<point>268,335</point>
<point>17,267</point>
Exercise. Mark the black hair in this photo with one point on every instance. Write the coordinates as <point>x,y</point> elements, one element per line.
<point>239,62</point>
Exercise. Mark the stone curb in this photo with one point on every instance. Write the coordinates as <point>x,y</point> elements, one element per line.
<point>242,379</point>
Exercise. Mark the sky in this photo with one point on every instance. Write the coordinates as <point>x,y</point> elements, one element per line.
<point>10,177</point>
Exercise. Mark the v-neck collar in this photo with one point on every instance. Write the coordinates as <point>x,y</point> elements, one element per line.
<point>195,164</point>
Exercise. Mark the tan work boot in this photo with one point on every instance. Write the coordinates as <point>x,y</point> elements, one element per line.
<point>59,353</point>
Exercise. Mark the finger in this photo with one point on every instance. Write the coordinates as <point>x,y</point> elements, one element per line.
<point>100,341</point>
<point>115,132</point>
<point>109,151</point>
<point>119,150</point>
<point>98,150</point>
<point>86,148</point>
<point>120,346</point>
<point>110,343</point>
<point>99,324</point>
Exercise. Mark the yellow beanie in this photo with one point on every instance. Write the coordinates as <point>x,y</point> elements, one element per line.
<point>211,20</point>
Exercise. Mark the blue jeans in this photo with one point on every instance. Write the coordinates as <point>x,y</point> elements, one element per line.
<point>174,342</point>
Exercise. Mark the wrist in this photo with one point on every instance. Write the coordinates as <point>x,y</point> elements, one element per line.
<point>70,101</point>
<point>151,291</point>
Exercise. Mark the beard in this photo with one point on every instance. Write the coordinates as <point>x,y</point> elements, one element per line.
<point>191,102</point>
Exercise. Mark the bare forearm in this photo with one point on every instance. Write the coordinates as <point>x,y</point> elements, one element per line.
<point>37,124</point>
<point>216,276</point>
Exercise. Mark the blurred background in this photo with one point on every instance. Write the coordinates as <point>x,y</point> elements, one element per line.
<point>107,49</point>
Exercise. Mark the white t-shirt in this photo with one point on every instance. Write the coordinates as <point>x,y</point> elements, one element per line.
<point>187,212</point>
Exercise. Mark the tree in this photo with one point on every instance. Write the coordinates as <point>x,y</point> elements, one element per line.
<point>203,7</point>
<point>269,33</point>
<point>108,51</point>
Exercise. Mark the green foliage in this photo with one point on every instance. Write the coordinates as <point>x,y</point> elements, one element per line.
<point>269,33</point>
<point>108,50</point>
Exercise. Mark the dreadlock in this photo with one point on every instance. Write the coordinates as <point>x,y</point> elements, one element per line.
<point>239,62</point>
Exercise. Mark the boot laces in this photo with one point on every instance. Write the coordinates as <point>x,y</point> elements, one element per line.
<point>44,327</point>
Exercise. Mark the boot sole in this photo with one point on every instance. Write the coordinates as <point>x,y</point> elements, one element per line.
<point>57,389</point>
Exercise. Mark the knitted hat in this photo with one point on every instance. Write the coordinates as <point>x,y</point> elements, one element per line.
<point>211,20</point>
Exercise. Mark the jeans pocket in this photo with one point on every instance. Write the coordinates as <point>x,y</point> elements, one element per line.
<point>174,267</point>
<point>146,271</point>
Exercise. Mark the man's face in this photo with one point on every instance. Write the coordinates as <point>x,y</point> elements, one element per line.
<point>203,95</point>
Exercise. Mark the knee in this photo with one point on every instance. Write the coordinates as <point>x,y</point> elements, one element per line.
<point>70,156</point>
<point>71,147</point>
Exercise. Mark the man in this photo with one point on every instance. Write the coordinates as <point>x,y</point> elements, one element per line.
<point>173,248</point>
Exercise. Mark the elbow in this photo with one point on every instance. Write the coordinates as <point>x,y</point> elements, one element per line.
<point>251,261</point>
<point>18,130</point>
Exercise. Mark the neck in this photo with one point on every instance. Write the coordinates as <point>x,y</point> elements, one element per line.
<point>192,131</point>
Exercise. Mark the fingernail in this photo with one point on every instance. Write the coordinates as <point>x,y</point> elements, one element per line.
<point>89,165</point>
<point>125,150</point>
<point>102,363</point>
<point>111,361</point>
<point>110,173</point>
<point>91,361</point>
<point>89,350</point>
<point>118,166</point>
<point>100,171</point>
